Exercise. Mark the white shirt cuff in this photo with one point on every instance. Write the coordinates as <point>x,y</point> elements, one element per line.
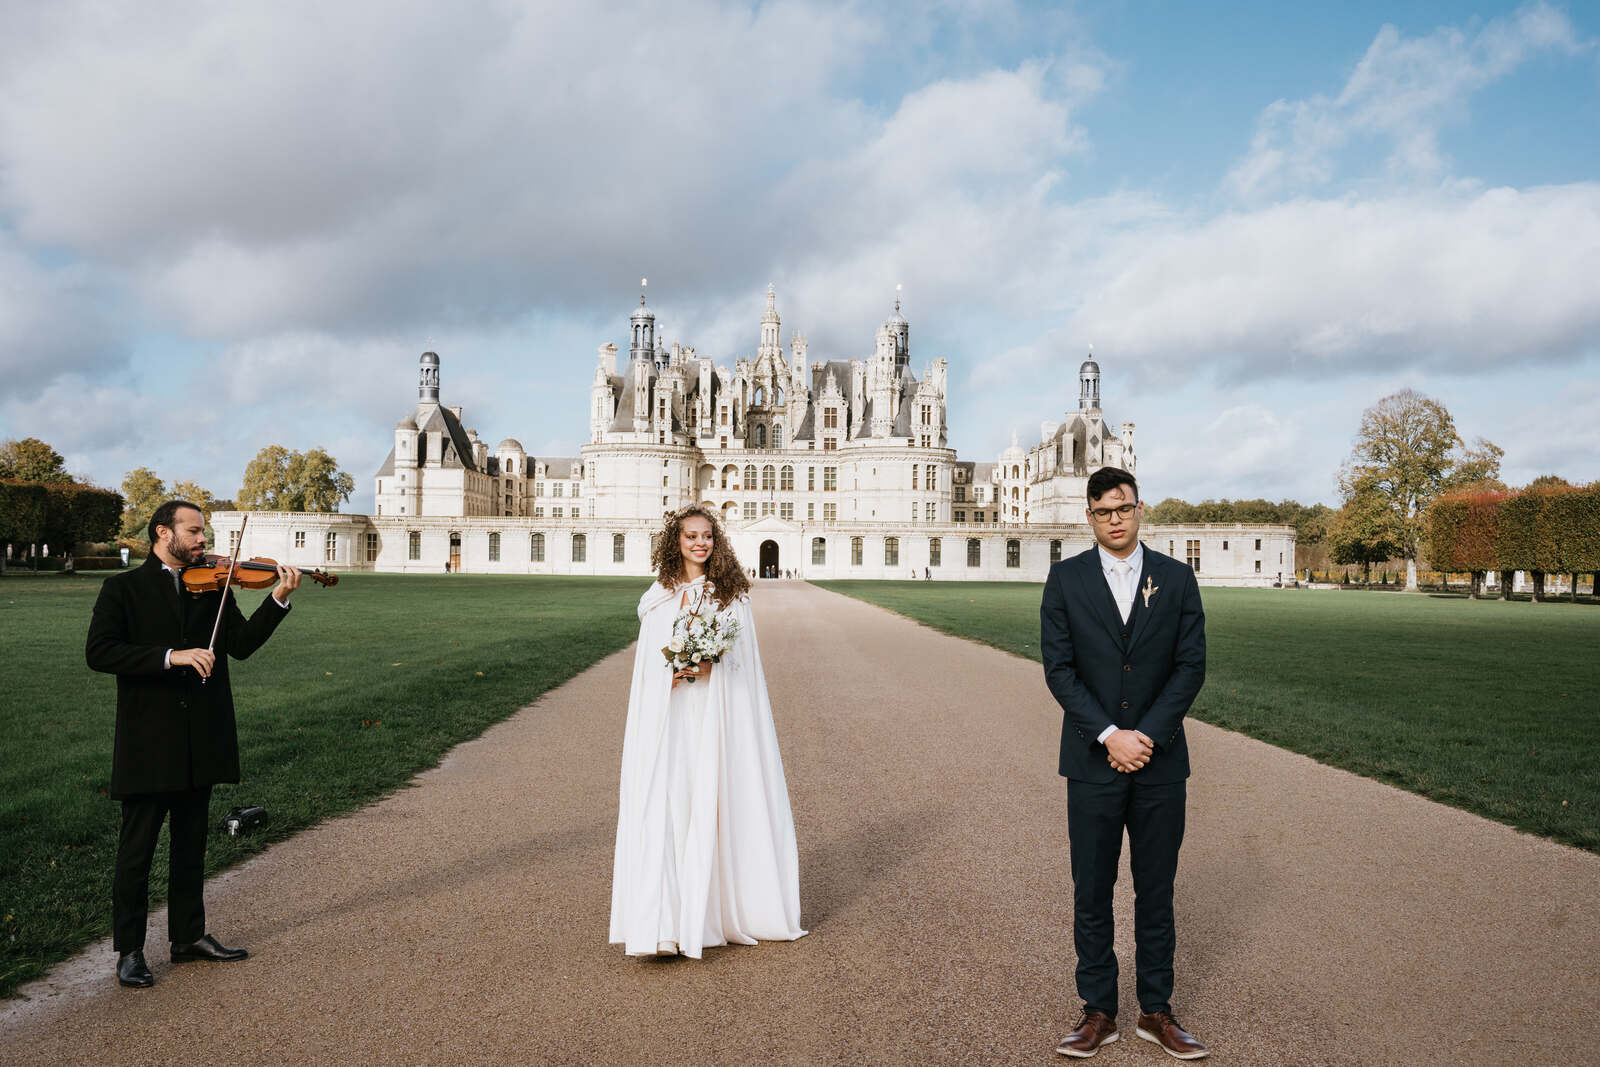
<point>1107,732</point>
<point>166,661</point>
<point>281,603</point>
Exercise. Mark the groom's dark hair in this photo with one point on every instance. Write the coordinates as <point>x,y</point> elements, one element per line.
<point>1106,479</point>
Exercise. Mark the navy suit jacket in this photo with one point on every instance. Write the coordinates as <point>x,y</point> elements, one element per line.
<point>1142,675</point>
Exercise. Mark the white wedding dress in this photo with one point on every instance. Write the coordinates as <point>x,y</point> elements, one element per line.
<point>705,838</point>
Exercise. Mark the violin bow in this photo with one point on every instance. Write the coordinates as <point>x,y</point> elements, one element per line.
<point>233,562</point>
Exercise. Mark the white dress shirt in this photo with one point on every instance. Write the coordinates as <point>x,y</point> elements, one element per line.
<point>1122,576</point>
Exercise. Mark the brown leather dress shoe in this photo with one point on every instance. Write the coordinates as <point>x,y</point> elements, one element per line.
<point>1164,1030</point>
<point>1096,1028</point>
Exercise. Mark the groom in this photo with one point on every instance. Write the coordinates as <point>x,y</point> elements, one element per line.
<point>1124,643</point>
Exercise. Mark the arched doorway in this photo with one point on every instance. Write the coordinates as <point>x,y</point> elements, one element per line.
<point>769,559</point>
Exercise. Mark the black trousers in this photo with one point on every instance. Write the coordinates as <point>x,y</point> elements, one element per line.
<point>1097,813</point>
<point>142,817</point>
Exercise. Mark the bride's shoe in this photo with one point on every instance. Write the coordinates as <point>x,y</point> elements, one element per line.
<point>666,948</point>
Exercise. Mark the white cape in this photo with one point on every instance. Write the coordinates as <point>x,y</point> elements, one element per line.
<point>705,837</point>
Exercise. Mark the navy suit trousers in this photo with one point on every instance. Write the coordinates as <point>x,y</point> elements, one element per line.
<point>1097,813</point>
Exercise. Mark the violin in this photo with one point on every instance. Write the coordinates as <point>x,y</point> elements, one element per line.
<point>258,573</point>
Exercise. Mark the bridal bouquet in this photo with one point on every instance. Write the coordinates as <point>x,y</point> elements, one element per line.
<point>699,636</point>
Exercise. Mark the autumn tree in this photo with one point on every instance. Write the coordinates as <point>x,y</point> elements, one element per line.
<point>1407,452</point>
<point>31,460</point>
<point>142,493</point>
<point>1477,469</point>
<point>281,480</point>
<point>1366,530</point>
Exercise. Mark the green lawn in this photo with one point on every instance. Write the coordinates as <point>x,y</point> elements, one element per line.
<point>1489,706</point>
<point>361,687</point>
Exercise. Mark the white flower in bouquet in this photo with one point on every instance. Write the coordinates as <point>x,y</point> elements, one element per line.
<point>699,636</point>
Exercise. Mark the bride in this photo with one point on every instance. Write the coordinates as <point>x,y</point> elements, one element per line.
<point>705,839</point>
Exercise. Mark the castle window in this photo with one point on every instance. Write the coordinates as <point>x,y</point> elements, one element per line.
<point>749,510</point>
<point>811,512</point>
<point>1258,566</point>
<point>1055,551</point>
<point>786,479</point>
<point>1224,546</point>
<point>768,474</point>
<point>750,476</point>
<point>299,539</point>
<point>724,421</point>
<point>933,477</point>
<point>830,479</point>
<point>974,552</point>
<point>855,551</point>
<point>935,551</point>
<point>777,437</point>
<point>761,436</point>
<point>414,545</point>
<point>961,494</point>
<point>330,547</point>
<point>538,513</point>
<point>1191,554</point>
<point>786,510</point>
<point>819,552</point>
<point>891,551</point>
<point>977,494</point>
<point>1013,553</point>
<point>494,548</point>
<point>930,511</point>
<point>556,513</point>
<point>619,548</point>
<point>766,508</point>
<point>538,489</point>
<point>557,488</point>
<point>830,444</point>
<point>1258,544</point>
<point>960,516</point>
<point>580,548</point>
<point>536,548</point>
<point>914,470</point>
<point>761,397</point>
<point>577,489</point>
<point>811,479</point>
<point>830,512</point>
<point>830,418</point>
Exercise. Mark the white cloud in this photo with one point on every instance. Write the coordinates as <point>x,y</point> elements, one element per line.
<point>1333,287</point>
<point>1401,92</point>
<point>53,320</point>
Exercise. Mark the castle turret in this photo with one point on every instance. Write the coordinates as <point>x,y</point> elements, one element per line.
<point>1089,384</point>
<point>642,332</point>
<point>428,378</point>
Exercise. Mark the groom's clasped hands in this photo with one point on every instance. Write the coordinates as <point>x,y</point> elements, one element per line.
<point>1128,750</point>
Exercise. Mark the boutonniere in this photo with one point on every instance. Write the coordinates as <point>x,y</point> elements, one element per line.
<point>1150,589</point>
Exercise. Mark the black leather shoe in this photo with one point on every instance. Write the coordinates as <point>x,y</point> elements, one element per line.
<point>207,948</point>
<point>132,971</point>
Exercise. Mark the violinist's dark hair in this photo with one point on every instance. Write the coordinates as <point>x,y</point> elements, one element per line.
<point>727,579</point>
<point>167,515</point>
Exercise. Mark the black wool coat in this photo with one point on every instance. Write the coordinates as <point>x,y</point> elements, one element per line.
<point>1142,674</point>
<point>173,731</point>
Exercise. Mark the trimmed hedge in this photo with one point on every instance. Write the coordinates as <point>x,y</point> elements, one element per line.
<point>1541,531</point>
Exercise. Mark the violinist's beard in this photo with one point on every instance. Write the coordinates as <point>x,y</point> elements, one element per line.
<point>188,557</point>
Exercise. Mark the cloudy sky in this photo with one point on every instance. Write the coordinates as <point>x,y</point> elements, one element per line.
<point>224,226</point>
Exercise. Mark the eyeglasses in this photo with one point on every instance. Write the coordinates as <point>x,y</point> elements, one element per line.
<point>1104,514</point>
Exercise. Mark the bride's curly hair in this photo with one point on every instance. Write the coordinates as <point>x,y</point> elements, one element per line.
<point>728,580</point>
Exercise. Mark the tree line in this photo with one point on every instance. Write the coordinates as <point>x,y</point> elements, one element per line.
<point>41,503</point>
<point>1545,529</point>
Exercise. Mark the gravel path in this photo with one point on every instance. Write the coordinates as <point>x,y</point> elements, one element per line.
<point>1322,918</point>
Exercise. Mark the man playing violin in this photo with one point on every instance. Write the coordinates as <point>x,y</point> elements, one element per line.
<point>176,736</point>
